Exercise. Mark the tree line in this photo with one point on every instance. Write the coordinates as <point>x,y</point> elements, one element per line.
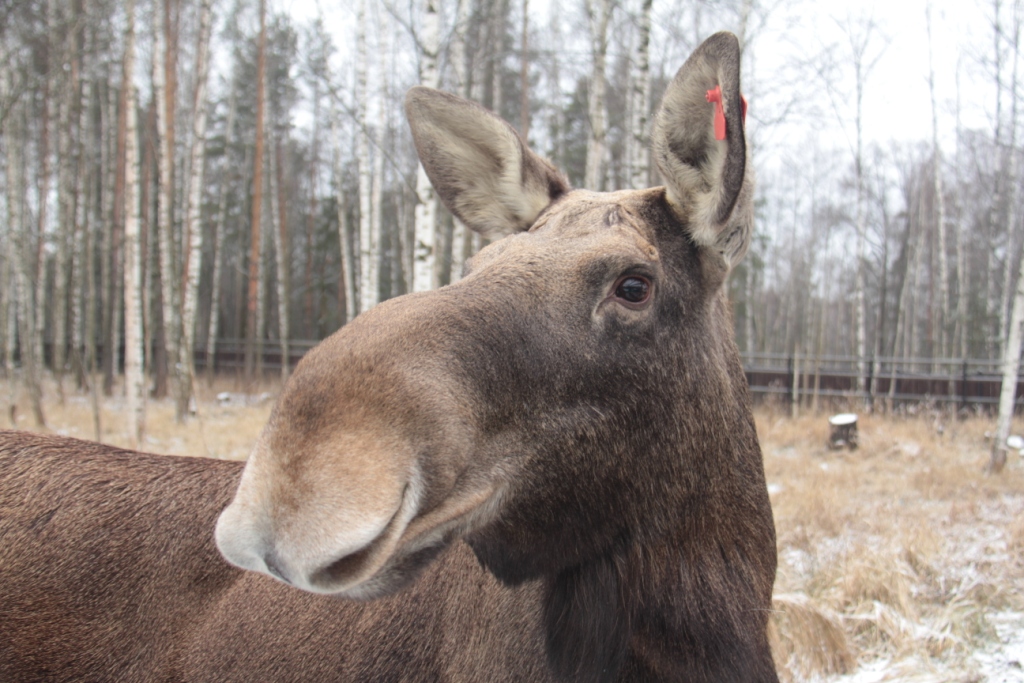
<point>177,173</point>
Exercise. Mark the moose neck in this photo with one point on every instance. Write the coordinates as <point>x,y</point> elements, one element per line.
<point>677,599</point>
<point>679,608</point>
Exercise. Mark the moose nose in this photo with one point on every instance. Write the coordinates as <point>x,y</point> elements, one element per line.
<point>275,567</point>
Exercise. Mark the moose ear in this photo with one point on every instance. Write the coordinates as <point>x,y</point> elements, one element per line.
<point>480,167</point>
<point>708,183</point>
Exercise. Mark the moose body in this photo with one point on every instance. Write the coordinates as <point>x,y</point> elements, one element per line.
<point>547,470</point>
<point>108,572</point>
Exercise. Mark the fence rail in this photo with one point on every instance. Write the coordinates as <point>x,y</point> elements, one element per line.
<point>964,381</point>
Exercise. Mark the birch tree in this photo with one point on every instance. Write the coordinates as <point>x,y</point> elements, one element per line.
<point>257,201</point>
<point>133,359</point>
<point>461,237</point>
<point>278,216</point>
<point>367,271</point>
<point>1010,370</point>
<point>940,200</point>
<point>599,14</point>
<point>425,273</point>
<point>1011,171</point>
<point>218,244</point>
<point>379,140</point>
<point>348,275</point>
<point>640,97</point>
<point>163,89</point>
<point>193,232</point>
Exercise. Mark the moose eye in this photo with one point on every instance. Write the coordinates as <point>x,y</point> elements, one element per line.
<point>633,289</point>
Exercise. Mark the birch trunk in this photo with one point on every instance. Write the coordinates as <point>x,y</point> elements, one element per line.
<point>368,283</point>
<point>940,202</point>
<point>9,232</point>
<point>134,379</point>
<point>1010,264</point>
<point>640,97</point>
<point>311,216</point>
<point>21,250</point>
<point>524,75</point>
<point>348,274</point>
<point>9,319</point>
<point>261,289</point>
<point>279,214</point>
<point>461,237</point>
<point>113,205</point>
<point>50,87</point>
<point>599,13</point>
<point>1010,370</point>
<point>997,192</point>
<point>257,201</point>
<point>78,271</point>
<point>425,271</point>
<point>218,246</point>
<point>169,267</point>
<point>65,204</point>
<point>193,236</point>
<point>376,197</point>
<point>962,274</point>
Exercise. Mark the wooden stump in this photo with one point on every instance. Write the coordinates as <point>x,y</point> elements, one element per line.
<point>842,431</point>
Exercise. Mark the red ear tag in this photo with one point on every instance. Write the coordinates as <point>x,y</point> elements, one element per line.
<point>715,95</point>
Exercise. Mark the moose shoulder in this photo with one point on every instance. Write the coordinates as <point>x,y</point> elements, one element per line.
<point>545,471</point>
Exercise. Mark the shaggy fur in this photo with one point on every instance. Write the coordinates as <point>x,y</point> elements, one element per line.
<point>523,475</point>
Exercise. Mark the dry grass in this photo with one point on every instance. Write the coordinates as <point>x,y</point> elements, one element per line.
<point>903,555</point>
<point>218,429</point>
<point>898,552</point>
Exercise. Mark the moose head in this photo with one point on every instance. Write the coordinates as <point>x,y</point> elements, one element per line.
<point>573,408</point>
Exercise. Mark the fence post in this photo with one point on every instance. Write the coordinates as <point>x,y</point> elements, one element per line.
<point>794,398</point>
<point>963,384</point>
<point>871,383</point>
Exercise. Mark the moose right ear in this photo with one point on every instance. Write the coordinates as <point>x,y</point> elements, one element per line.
<point>478,164</point>
<point>704,163</point>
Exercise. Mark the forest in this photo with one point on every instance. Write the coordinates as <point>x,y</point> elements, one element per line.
<point>193,183</point>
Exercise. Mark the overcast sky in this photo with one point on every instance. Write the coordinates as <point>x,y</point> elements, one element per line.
<point>896,98</point>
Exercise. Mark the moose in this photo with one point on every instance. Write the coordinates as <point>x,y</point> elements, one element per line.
<point>546,471</point>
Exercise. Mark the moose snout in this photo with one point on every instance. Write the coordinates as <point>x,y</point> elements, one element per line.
<point>329,544</point>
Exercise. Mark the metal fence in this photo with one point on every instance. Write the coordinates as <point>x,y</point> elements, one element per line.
<point>964,381</point>
<point>968,382</point>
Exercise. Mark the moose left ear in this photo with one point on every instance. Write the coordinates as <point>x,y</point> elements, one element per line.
<point>708,183</point>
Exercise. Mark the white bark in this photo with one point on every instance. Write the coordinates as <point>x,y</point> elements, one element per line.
<point>11,233</point>
<point>193,237</point>
<point>64,227</point>
<point>599,13</point>
<point>81,224</point>
<point>218,244</point>
<point>1011,368</point>
<point>962,275</point>
<point>640,97</point>
<point>425,274</point>
<point>940,202</point>
<point>347,257</point>
<point>169,275</point>
<point>134,380</point>
<point>261,282</point>
<point>1010,261</point>
<point>461,236</point>
<point>367,272</point>
<point>282,255</point>
<point>376,204</point>
<point>992,305</point>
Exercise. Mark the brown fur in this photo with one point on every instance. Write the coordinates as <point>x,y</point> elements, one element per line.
<point>598,458</point>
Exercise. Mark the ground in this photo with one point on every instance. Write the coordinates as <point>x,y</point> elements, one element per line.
<point>902,561</point>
